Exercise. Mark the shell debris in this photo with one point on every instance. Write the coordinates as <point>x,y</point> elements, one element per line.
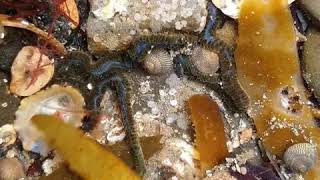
<point>8,135</point>
<point>65,102</point>
<point>31,70</point>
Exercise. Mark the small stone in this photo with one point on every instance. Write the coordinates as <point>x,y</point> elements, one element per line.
<point>48,166</point>
<point>171,119</point>
<point>5,104</point>
<point>173,102</point>
<point>243,170</point>
<point>182,123</point>
<point>89,86</point>
<point>11,169</point>
<point>162,92</point>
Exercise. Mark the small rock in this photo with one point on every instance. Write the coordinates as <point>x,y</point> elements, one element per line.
<point>11,169</point>
<point>111,24</point>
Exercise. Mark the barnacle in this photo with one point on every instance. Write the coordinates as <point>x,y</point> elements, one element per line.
<point>210,140</point>
<point>268,70</point>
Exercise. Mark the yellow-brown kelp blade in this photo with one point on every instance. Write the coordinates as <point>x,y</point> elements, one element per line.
<point>210,137</point>
<point>267,63</point>
<point>84,156</point>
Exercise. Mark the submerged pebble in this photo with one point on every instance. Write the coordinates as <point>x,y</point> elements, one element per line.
<point>11,169</point>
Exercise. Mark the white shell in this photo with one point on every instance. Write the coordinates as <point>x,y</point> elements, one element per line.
<point>231,8</point>
<point>205,60</point>
<point>158,61</point>
<point>25,69</point>
<point>65,102</point>
<point>301,157</point>
<point>8,135</point>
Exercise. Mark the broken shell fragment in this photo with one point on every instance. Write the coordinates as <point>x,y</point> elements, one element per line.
<point>8,135</point>
<point>158,61</point>
<point>31,70</point>
<point>65,102</point>
<point>301,157</point>
<point>11,21</point>
<point>70,10</point>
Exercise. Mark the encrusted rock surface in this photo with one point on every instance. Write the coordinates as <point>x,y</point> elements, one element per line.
<point>112,25</point>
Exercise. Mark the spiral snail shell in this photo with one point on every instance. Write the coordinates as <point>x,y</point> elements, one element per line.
<point>301,157</point>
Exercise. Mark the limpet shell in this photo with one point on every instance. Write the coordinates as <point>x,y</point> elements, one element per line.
<point>158,61</point>
<point>25,69</point>
<point>301,157</point>
<point>65,102</point>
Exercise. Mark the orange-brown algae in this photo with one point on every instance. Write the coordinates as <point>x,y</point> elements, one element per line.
<point>269,72</point>
<point>210,138</point>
